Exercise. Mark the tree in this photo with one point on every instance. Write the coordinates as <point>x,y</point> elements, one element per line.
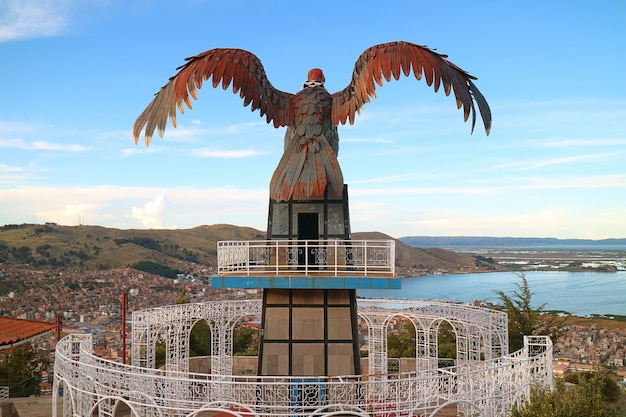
<point>604,381</point>
<point>160,353</point>
<point>183,297</point>
<point>446,341</point>
<point>245,341</point>
<point>200,339</point>
<point>19,369</point>
<point>401,342</point>
<point>524,319</point>
<point>584,400</point>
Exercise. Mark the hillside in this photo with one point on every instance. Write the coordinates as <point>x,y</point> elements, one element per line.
<point>97,248</point>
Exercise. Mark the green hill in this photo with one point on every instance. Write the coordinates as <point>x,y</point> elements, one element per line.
<point>87,248</point>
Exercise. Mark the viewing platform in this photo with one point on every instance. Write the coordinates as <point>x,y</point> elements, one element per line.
<point>328,263</point>
<point>485,379</point>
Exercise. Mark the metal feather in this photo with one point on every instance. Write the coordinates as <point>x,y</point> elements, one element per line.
<point>395,58</point>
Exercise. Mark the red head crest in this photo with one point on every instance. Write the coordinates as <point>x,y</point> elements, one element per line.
<point>316,74</point>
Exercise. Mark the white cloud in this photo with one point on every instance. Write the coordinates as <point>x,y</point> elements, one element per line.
<point>11,174</point>
<point>552,221</point>
<point>451,222</point>
<point>8,128</point>
<point>78,211</point>
<point>40,145</point>
<point>528,166</point>
<point>151,215</point>
<point>23,19</point>
<point>140,151</point>
<point>180,134</point>
<point>566,143</point>
<point>363,140</point>
<point>226,154</point>
<point>390,179</point>
<point>191,133</point>
<point>617,182</point>
<point>108,205</point>
<point>6,168</point>
<point>240,128</point>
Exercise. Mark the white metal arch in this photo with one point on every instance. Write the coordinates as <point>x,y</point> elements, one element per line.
<point>59,391</point>
<point>177,321</point>
<point>492,386</point>
<point>108,406</point>
<point>480,332</point>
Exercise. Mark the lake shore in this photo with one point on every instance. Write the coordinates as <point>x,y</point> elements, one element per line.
<point>569,259</point>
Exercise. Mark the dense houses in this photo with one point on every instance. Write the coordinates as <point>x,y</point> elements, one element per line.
<point>95,296</point>
<point>592,345</point>
<point>90,302</point>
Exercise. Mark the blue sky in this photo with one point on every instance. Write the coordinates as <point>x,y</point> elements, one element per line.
<point>77,73</point>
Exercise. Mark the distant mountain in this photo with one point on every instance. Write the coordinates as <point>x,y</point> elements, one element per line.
<point>508,242</point>
<point>165,251</point>
<point>423,259</point>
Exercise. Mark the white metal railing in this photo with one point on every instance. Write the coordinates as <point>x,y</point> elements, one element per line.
<point>4,392</point>
<point>93,386</point>
<point>304,257</point>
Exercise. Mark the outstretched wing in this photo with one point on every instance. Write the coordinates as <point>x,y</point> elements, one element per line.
<point>394,58</point>
<point>224,66</point>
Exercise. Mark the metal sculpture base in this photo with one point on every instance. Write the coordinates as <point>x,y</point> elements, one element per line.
<point>309,332</point>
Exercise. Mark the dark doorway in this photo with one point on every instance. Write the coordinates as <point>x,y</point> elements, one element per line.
<point>308,226</point>
<point>308,229</point>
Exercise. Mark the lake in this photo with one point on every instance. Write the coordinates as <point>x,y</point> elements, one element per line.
<point>580,293</point>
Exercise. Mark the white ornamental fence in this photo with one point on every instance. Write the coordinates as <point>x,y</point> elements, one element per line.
<point>294,257</point>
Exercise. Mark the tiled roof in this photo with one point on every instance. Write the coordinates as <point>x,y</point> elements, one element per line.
<point>15,330</point>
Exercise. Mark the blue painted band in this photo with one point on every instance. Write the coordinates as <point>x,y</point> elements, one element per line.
<point>306,282</point>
